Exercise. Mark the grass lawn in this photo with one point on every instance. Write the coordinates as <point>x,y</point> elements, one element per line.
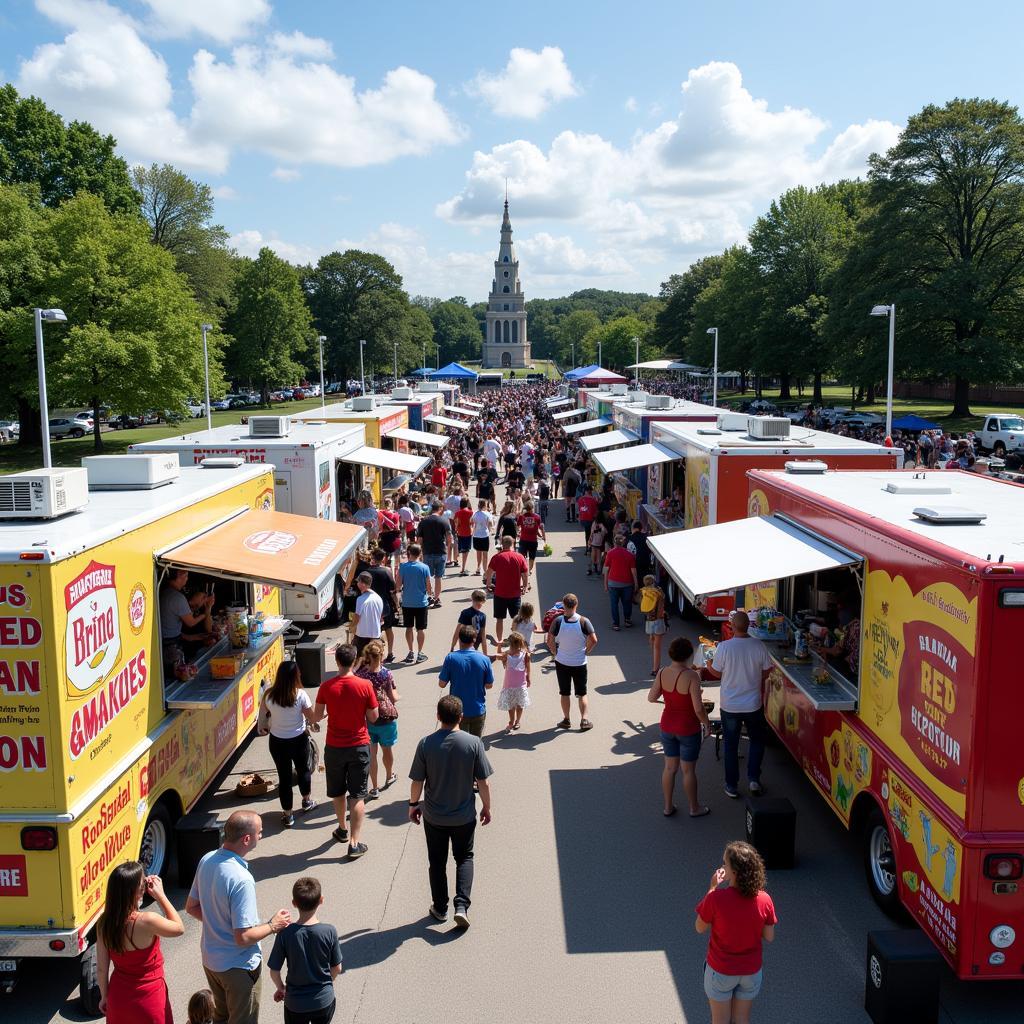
<point>938,411</point>
<point>545,366</point>
<point>69,451</point>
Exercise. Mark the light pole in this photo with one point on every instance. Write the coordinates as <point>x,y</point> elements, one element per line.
<point>714,383</point>
<point>321,338</point>
<point>438,350</point>
<point>362,374</point>
<point>573,354</point>
<point>53,316</point>
<point>424,363</point>
<point>206,375</point>
<point>890,312</point>
<point>599,352</point>
<point>636,341</point>
<point>396,364</point>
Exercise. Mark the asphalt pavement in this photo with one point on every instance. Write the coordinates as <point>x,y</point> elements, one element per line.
<point>583,902</point>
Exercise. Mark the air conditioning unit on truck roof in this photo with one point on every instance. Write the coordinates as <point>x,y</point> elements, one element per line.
<point>132,472</point>
<point>401,394</point>
<point>768,428</point>
<point>660,402</point>
<point>269,426</point>
<point>365,403</point>
<point>620,389</point>
<point>43,493</point>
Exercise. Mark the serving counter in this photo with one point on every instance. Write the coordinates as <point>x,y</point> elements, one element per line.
<point>832,691</point>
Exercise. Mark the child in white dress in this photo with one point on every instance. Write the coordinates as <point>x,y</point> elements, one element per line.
<point>515,689</point>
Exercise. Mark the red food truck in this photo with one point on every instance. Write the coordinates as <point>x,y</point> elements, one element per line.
<point>906,720</point>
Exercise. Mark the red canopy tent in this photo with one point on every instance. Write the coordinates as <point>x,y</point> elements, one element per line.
<point>602,376</point>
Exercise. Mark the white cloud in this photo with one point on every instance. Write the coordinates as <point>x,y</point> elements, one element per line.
<point>223,20</point>
<point>692,184</point>
<point>285,173</point>
<point>224,192</point>
<point>298,44</point>
<point>630,104</point>
<point>311,113</point>
<point>530,82</point>
<point>249,242</point>
<point>546,255</point>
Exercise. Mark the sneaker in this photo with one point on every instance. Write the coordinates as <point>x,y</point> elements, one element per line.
<point>340,834</point>
<point>732,791</point>
<point>357,851</point>
<point>390,657</point>
<point>586,725</point>
<point>392,779</point>
<point>373,794</point>
<point>420,657</point>
<point>756,789</point>
<point>436,914</point>
<point>410,658</point>
<point>462,917</point>
<point>288,820</point>
<point>308,803</point>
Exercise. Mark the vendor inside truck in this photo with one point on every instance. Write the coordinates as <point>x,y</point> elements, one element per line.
<point>177,613</point>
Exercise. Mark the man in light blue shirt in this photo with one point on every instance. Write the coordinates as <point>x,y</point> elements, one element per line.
<point>223,897</point>
<point>411,585</point>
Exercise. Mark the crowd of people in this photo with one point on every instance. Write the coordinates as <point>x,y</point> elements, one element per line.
<point>453,524</point>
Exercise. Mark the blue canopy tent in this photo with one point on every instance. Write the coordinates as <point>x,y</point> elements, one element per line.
<point>423,371</point>
<point>912,422</point>
<point>453,371</point>
<point>581,371</point>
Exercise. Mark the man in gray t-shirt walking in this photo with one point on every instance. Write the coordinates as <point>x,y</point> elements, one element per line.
<point>447,763</point>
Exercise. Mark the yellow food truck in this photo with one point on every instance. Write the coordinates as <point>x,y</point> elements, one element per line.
<point>113,721</point>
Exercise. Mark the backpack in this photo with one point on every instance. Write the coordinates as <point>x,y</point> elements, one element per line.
<point>550,615</point>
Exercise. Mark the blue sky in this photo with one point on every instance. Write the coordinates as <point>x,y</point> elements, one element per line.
<point>635,137</point>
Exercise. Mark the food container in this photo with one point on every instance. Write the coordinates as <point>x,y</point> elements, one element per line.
<point>800,644</point>
<point>255,630</point>
<point>226,666</point>
<point>238,627</point>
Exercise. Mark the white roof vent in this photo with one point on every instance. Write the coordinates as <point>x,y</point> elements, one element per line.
<point>43,493</point>
<point>945,515</point>
<point>808,466</point>
<point>917,486</point>
<point>635,396</point>
<point>768,428</point>
<point>620,389</point>
<point>364,403</point>
<point>732,421</point>
<point>430,385</point>
<point>401,394</point>
<point>132,472</point>
<point>660,402</point>
<point>710,430</point>
<point>222,462</point>
<point>269,426</point>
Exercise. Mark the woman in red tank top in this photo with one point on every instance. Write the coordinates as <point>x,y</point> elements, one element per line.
<point>136,992</point>
<point>684,723</point>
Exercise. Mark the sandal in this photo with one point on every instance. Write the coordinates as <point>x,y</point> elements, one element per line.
<point>668,814</point>
<point>701,812</point>
<point>564,724</point>
<point>586,724</point>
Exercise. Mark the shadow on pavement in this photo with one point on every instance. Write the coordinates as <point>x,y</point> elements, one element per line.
<point>366,947</point>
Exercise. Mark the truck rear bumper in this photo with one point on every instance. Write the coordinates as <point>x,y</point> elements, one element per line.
<point>19,942</point>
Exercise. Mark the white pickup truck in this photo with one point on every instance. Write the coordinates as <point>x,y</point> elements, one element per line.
<point>1002,433</point>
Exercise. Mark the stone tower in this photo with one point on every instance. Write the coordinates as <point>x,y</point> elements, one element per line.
<point>506,344</point>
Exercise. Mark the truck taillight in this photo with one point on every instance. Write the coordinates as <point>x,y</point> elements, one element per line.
<point>38,838</point>
<point>57,945</point>
<point>1004,867</point>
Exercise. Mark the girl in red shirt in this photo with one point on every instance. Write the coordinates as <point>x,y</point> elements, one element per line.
<point>740,915</point>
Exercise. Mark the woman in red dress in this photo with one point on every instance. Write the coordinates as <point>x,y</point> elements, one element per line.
<point>136,992</point>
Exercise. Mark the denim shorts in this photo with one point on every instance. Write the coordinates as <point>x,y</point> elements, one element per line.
<point>722,988</point>
<point>384,733</point>
<point>436,564</point>
<point>686,748</point>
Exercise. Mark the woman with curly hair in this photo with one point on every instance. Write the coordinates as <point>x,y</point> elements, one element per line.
<point>740,914</point>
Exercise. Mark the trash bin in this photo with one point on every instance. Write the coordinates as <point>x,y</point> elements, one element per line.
<point>197,834</point>
<point>904,971</point>
<point>311,657</point>
<point>771,830</point>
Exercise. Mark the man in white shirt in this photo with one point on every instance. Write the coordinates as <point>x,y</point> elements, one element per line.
<point>743,665</point>
<point>492,450</point>
<point>369,612</point>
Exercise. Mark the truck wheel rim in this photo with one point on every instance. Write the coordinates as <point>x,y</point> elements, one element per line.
<point>883,863</point>
<point>153,853</point>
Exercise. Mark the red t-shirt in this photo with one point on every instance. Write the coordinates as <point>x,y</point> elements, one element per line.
<point>586,508</point>
<point>347,699</point>
<point>508,566</point>
<point>529,525</point>
<point>736,926</point>
<point>620,564</point>
<point>464,522</point>
<point>439,476</point>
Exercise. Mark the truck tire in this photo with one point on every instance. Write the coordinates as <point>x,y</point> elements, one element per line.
<point>88,985</point>
<point>880,864</point>
<point>334,613</point>
<point>155,849</point>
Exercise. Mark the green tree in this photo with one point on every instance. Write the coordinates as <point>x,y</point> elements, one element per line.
<point>38,148</point>
<point>572,329</point>
<point>617,340</point>
<point>673,324</point>
<point>945,238</point>
<point>179,212</point>
<point>456,330</point>
<point>270,324</point>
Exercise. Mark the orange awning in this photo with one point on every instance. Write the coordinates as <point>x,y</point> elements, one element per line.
<point>279,548</point>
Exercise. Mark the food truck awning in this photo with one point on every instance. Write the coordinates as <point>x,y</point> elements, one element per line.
<point>398,461</point>
<point>727,556</point>
<point>420,437</point>
<point>581,428</point>
<point>558,403</point>
<point>567,414</point>
<point>447,421</point>
<point>607,440</point>
<point>634,457</point>
<point>471,413</point>
<point>469,404</point>
<point>279,548</point>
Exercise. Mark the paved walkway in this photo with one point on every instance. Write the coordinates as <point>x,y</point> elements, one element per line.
<point>584,893</point>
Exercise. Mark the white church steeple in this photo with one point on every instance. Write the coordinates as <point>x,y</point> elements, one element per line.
<point>506,344</point>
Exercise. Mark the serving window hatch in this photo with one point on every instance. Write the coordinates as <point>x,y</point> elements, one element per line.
<point>385,459</point>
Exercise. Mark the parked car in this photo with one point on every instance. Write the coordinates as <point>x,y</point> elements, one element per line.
<point>85,418</point>
<point>65,426</point>
<point>334,387</point>
<point>221,403</point>
<point>298,394</point>
<point>195,407</point>
<point>11,429</point>
<point>1001,433</point>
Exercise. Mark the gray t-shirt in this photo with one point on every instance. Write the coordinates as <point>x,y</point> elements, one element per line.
<point>448,762</point>
<point>173,606</point>
<point>310,950</point>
